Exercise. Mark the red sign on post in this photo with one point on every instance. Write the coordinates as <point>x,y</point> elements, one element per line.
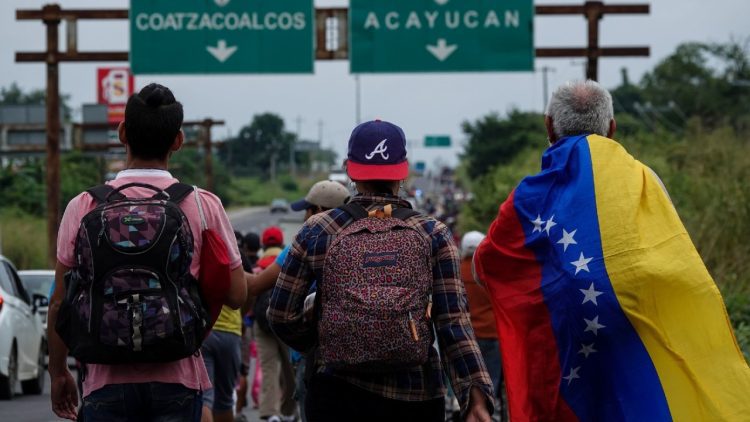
<point>114,86</point>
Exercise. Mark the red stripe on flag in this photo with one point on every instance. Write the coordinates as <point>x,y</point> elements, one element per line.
<point>513,277</point>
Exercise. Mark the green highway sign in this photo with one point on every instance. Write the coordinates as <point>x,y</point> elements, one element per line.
<point>437,141</point>
<point>441,35</point>
<point>221,36</point>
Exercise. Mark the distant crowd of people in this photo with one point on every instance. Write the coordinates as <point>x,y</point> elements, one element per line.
<point>586,284</point>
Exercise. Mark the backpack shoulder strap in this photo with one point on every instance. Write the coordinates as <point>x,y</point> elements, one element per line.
<point>100,193</point>
<point>404,214</point>
<point>357,211</point>
<point>178,191</point>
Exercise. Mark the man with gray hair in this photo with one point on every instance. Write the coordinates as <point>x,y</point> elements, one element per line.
<point>578,108</point>
<point>604,309</point>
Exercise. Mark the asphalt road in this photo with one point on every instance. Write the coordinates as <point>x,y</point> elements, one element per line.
<point>37,408</point>
<point>259,218</point>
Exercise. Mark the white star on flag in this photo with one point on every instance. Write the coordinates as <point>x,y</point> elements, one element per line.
<point>590,294</point>
<point>582,264</point>
<point>537,223</point>
<point>573,374</point>
<point>567,239</point>
<point>593,325</point>
<point>550,223</point>
<point>587,349</point>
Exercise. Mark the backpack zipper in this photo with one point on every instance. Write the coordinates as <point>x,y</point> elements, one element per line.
<point>413,327</point>
<point>137,203</point>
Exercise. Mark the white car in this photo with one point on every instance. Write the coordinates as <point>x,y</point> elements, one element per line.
<point>21,335</point>
<point>39,282</point>
<point>339,176</point>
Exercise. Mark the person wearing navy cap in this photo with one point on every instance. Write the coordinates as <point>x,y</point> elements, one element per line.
<point>377,164</point>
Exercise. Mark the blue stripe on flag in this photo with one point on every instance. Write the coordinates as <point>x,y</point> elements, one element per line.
<point>607,374</point>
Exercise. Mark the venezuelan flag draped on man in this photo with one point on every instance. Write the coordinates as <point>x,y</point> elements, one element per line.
<point>605,310</point>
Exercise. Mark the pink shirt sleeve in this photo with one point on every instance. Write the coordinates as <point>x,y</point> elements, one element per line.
<point>66,234</point>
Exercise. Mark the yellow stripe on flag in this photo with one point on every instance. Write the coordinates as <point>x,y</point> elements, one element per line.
<point>666,291</point>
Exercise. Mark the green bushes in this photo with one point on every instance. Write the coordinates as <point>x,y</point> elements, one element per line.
<point>253,191</point>
<point>706,174</point>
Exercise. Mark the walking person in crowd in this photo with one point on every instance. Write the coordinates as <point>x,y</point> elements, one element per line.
<point>605,309</point>
<point>222,355</point>
<point>482,316</point>
<point>386,275</point>
<point>277,384</point>
<point>323,196</point>
<point>249,247</point>
<point>126,300</point>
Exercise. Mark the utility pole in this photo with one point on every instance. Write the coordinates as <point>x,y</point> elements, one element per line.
<point>320,132</point>
<point>545,84</point>
<point>51,18</point>
<point>292,155</point>
<point>593,12</point>
<point>51,15</point>
<point>208,151</point>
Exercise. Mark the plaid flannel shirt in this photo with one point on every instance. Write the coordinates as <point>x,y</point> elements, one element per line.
<point>460,354</point>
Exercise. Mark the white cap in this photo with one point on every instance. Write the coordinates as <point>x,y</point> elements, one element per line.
<point>470,242</point>
<point>324,194</point>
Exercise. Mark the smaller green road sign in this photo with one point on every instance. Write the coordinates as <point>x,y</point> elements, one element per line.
<point>221,36</point>
<point>441,35</point>
<point>437,141</point>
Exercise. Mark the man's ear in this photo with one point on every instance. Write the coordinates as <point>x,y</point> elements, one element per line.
<point>121,133</point>
<point>548,124</point>
<point>612,129</point>
<point>178,141</point>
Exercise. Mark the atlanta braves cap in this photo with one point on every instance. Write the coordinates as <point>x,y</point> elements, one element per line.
<point>326,194</point>
<point>377,151</point>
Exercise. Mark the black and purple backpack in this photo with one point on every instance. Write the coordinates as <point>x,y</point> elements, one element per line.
<point>131,297</point>
<point>375,295</point>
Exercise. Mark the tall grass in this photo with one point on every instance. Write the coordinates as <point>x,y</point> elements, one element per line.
<point>23,239</point>
<point>244,191</point>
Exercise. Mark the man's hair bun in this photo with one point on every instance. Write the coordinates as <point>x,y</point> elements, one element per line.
<point>153,118</point>
<point>157,95</point>
<point>155,98</point>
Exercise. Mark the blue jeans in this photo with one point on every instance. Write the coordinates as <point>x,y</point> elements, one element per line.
<point>221,354</point>
<point>490,349</point>
<point>151,401</point>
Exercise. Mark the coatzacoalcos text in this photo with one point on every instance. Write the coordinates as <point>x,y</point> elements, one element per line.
<point>187,21</point>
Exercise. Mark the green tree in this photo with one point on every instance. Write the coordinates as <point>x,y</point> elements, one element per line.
<point>187,166</point>
<point>708,81</point>
<point>261,148</point>
<point>79,172</point>
<point>22,181</point>
<point>627,96</point>
<point>496,140</point>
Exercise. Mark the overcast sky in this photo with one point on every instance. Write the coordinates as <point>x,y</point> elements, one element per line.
<point>421,103</point>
